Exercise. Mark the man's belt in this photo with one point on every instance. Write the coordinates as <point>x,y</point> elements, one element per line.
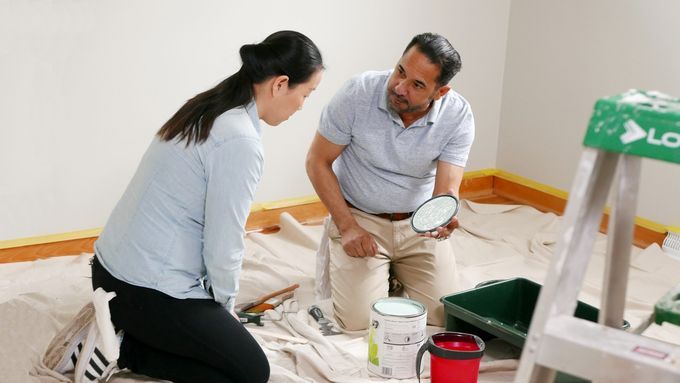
<point>387,216</point>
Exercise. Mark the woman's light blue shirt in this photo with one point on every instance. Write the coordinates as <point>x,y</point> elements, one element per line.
<point>180,222</point>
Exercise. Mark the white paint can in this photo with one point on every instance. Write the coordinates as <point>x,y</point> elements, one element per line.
<point>396,332</point>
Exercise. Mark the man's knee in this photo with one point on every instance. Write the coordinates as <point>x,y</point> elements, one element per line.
<point>352,308</point>
<point>352,319</point>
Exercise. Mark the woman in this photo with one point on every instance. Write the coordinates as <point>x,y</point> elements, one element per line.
<point>172,248</point>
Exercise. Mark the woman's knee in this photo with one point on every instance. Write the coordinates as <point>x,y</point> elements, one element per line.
<point>253,367</point>
<point>261,369</point>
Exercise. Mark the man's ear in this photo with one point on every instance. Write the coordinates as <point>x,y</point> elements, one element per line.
<point>441,91</point>
<point>280,85</point>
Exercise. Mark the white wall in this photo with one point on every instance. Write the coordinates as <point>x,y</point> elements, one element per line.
<point>563,56</point>
<point>84,85</point>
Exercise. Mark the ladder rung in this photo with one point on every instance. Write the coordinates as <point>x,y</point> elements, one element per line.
<point>604,354</point>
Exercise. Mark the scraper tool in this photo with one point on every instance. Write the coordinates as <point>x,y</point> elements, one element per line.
<point>325,325</point>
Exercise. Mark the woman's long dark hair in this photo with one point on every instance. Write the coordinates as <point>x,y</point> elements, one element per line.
<point>286,53</point>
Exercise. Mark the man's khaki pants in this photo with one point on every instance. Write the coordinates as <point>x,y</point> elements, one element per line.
<point>425,267</point>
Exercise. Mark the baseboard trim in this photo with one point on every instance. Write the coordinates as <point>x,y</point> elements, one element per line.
<point>265,216</point>
<point>548,199</point>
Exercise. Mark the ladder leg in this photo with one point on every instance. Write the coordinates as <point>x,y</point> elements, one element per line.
<point>562,284</point>
<point>619,240</point>
<point>543,374</point>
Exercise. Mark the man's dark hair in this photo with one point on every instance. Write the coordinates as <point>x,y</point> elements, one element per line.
<point>440,52</point>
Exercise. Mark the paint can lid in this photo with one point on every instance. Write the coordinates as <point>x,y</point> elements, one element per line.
<point>433,213</point>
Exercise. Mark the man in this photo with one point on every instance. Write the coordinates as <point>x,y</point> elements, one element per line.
<point>387,142</point>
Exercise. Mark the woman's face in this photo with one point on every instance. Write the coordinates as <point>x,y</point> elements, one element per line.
<point>288,100</point>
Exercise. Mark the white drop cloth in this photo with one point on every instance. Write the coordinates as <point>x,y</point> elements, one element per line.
<point>495,241</point>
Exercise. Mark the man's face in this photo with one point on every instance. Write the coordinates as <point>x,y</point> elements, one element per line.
<point>413,84</point>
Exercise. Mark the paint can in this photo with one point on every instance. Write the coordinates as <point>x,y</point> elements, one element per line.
<point>396,332</point>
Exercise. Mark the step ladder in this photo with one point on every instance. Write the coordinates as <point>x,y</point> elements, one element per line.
<point>623,129</point>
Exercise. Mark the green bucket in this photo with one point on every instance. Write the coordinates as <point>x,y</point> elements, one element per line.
<point>503,309</point>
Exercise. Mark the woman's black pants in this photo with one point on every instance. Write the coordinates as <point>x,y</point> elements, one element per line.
<point>182,340</point>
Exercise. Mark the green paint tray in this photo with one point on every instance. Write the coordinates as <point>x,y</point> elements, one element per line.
<point>667,309</point>
<point>503,309</point>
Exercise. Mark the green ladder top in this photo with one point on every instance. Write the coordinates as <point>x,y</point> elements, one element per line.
<point>640,123</point>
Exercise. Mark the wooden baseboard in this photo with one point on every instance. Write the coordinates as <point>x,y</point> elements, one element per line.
<point>263,220</point>
<point>482,186</point>
<point>547,202</point>
<point>528,196</point>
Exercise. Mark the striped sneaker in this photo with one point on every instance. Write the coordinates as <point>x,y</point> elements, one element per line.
<point>65,348</point>
<point>91,364</point>
<point>79,347</point>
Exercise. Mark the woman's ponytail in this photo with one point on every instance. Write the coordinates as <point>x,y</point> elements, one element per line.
<point>286,53</point>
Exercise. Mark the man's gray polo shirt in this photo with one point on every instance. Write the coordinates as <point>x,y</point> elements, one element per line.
<point>386,168</point>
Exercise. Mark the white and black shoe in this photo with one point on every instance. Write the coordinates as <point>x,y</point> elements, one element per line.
<point>88,345</point>
<point>92,365</point>
<point>65,348</point>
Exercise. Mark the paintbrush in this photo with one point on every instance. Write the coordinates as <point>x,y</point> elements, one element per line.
<point>263,298</point>
<point>270,303</point>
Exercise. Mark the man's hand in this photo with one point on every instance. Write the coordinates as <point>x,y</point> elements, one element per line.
<point>357,242</point>
<point>443,232</point>
<point>447,181</point>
